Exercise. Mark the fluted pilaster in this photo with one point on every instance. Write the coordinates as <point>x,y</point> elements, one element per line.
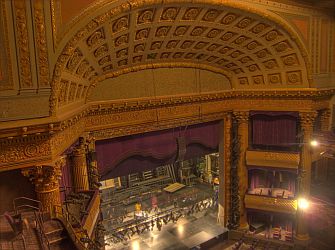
<point>79,167</point>
<point>242,118</point>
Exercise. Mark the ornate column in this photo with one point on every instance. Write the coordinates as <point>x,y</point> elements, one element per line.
<point>304,179</point>
<point>92,168</point>
<point>79,167</point>
<point>221,194</point>
<point>325,120</point>
<point>242,118</point>
<point>227,165</point>
<point>46,181</point>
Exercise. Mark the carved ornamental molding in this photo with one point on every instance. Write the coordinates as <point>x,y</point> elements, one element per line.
<point>271,204</point>
<point>273,159</point>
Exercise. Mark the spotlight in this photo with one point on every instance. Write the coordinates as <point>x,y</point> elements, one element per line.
<point>314,143</point>
<point>303,203</point>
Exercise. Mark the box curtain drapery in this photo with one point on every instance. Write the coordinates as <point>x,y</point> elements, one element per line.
<point>136,153</point>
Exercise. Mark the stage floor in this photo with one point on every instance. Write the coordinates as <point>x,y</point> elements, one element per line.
<point>186,233</point>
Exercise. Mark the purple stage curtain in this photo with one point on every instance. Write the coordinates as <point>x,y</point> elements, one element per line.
<point>274,128</point>
<point>65,183</point>
<point>130,154</point>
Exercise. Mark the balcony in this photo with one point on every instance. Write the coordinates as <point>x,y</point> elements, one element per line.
<point>272,204</point>
<point>288,160</point>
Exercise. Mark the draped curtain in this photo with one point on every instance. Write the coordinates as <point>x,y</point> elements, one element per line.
<point>65,183</point>
<point>274,128</point>
<point>137,153</point>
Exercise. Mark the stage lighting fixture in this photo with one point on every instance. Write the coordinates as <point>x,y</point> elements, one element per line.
<point>303,203</point>
<point>314,143</point>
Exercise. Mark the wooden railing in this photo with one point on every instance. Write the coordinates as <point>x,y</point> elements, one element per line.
<point>89,220</point>
<point>80,232</point>
<point>272,204</point>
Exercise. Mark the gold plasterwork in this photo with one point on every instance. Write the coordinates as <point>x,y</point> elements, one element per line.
<point>41,141</point>
<point>245,46</point>
<point>273,159</point>
<point>23,43</point>
<point>42,50</point>
<point>271,204</point>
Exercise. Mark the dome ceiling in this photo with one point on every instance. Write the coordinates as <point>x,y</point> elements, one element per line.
<point>252,51</point>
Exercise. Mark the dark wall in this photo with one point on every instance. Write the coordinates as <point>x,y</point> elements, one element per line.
<point>13,184</point>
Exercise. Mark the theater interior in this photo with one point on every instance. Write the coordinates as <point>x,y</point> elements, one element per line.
<point>167,125</point>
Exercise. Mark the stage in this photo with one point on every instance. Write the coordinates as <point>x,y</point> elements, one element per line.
<point>197,231</point>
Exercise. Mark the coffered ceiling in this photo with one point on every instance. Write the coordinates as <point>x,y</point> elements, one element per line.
<point>251,50</point>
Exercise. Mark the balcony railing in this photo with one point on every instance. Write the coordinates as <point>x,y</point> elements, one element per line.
<point>273,159</point>
<point>271,204</point>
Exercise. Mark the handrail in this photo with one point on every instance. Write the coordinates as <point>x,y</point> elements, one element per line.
<point>39,222</point>
<point>25,199</point>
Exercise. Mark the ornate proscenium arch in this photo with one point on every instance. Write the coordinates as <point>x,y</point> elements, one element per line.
<point>253,49</point>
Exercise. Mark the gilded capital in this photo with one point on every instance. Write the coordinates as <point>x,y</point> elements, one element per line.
<point>307,120</point>
<point>324,118</point>
<point>241,116</point>
<point>45,178</point>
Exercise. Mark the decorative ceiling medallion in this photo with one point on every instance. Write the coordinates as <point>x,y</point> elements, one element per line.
<point>211,15</point>
<point>142,34</point>
<point>186,44</point>
<point>258,79</point>
<point>272,35</point>
<point>189,55</point>
<point>97,37</point>
<point>197,31</point>
<point>122,52</point>
<point>274,78</point>
<point>200,45</point>
<point>172,44</point>
<point>165,55</point>
<point>243,81</point>
<point>227,36</point>
<point>181,30</point>
<point>252,45</point>
<point>290,60</point>
<point>120,24</point>
<point>162,31</point>
<point>104,60</point>
<point>245,22</point>
<point>240,40</point>
<point>245,59</point>
<point>258,28</point>
<point>123,62</point>
<point>253,67</point>
<point>229,18</point>
<point>100,51</point>
<point>139,48</point>
<point>213,47</point>
<point>178,55</point>
<point>169,14</point>
<point>270,64</point>
<point>145,16</point>
<point>236,54</point>
<point>225,49</point>
<point>107,68</point>
<point>121,40</point>
<point>294,77</point>
<point>282,46</point>
<point>213,33</point>
<point>137,59</point>
<point>156,45</point>
<point>191,14</point>
<point>262,53</point>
